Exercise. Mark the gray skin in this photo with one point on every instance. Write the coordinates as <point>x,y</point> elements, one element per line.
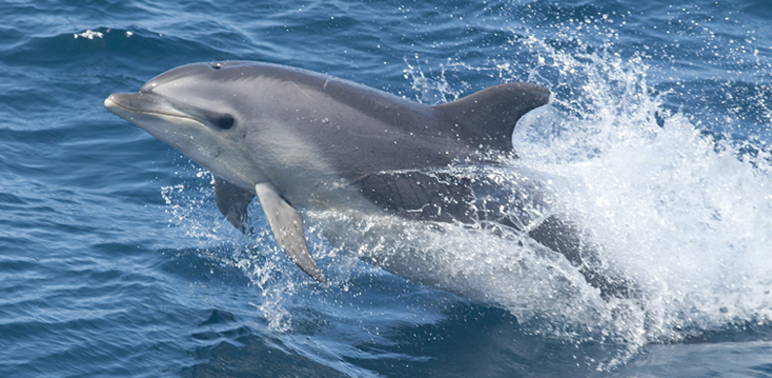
<point>300,140</point>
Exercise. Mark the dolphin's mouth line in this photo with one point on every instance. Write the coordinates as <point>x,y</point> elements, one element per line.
<point>152,113</point>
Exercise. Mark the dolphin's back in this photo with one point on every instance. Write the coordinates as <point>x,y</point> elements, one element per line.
<point>362,130</point>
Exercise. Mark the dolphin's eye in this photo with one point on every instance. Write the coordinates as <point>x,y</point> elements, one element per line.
<point>216,65</point>
<point>225,122</point>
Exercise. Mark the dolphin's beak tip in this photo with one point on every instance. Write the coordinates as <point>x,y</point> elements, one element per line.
<point>109,103</point>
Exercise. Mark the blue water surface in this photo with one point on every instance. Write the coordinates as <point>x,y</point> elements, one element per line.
<point>114,260</point>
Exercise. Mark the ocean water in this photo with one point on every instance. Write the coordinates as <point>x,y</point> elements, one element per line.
<point>114,260</point>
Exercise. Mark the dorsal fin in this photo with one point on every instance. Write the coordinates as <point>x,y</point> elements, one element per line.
<point>488,117</point>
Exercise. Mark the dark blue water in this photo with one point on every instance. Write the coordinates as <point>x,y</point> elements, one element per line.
<point>114,260</point>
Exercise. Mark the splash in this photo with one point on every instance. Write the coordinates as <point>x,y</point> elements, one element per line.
<point>192,210</point>
<point>688,213</point>
<point>684,211</point>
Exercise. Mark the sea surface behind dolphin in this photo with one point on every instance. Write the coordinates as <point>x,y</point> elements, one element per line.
<point>114,260</point>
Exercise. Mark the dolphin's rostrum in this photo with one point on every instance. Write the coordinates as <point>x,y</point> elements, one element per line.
<point>300,140</point>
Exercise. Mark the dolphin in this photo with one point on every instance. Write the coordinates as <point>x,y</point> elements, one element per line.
<point>300,140</point>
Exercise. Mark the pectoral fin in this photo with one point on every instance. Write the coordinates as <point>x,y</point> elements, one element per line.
<point>287,226</point>
<point>232,202</point>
